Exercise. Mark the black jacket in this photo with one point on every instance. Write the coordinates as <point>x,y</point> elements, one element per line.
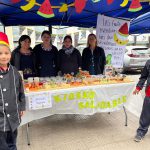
<point>15,59</point>
<point>46,61</point>
<point>145,76</point>
<point>69,63</point>
<point>99,59</point>
<point>12,99</point>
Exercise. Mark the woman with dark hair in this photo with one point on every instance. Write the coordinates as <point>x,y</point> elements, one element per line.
<point>69,58</point>
<point>46,56</point>
<point>93,57</point>
<point>23,57</point>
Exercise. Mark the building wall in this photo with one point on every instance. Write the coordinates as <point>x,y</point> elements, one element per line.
<point>79,35</point>
<point>15,32</point>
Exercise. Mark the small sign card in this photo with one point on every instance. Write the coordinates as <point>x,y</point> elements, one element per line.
<point>39,100</point>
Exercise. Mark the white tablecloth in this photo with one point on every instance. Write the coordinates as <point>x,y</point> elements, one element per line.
<point>107,98</point>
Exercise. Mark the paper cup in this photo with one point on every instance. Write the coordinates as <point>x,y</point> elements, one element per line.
<point>36,79</point>
<point>30,80</point>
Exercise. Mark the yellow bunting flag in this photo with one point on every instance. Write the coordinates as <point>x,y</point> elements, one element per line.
<point>29,6</point>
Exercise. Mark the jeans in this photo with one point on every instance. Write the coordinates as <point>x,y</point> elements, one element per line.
<point>8,140</point>
<point>145,118</point>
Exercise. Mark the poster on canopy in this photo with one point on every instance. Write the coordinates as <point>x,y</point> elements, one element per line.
<point>112,35</point>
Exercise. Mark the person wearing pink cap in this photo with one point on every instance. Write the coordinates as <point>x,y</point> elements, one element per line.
<point>12,98</point>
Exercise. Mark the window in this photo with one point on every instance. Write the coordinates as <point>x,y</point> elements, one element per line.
<point>1,28</point>
<point>29,32</point>
<point>38,36</point>
<point>16,33</point>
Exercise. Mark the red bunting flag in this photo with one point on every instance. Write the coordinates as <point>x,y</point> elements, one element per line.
<point>135,6</point>
<point>46,10</point>
<point>15,1</point>
<point>110,1</point>
<point>80,5</point>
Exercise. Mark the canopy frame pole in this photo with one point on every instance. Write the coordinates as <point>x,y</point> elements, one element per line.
<point>4,28</point>
<point>50,29</point>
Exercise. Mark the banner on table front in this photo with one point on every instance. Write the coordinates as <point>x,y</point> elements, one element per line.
<point>112,35</point>
<point>90,100</point>
<point>81,100</point>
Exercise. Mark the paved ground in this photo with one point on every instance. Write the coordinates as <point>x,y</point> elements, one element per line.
<point>77,132</point>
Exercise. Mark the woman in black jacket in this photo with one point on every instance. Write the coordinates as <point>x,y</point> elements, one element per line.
<point>23,57</point>
<point>69,58</point>
<point>93,57</point>
<point>46,56</point>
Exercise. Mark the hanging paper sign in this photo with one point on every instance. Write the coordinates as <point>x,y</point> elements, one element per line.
<point>46,10</point>
<point>60,37</point>
<point>79,5</point>
<point>112,35</point>
<point>124,3</point>
<point>53,37</point>
<point>135,6</point>
<point>29,6</point>
<point>82,36</point>
<point>76,39</point>
<point>39,101</point>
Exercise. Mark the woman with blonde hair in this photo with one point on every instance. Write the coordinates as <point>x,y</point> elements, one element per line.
<point>93,57</point>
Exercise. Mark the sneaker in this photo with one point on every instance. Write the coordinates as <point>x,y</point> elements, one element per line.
<point>138,138</point>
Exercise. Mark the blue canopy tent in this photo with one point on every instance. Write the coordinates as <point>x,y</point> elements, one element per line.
<point>11,14</point>
<point>141,24</point>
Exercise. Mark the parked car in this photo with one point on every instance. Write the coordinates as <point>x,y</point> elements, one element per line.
<point>135,57</point>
